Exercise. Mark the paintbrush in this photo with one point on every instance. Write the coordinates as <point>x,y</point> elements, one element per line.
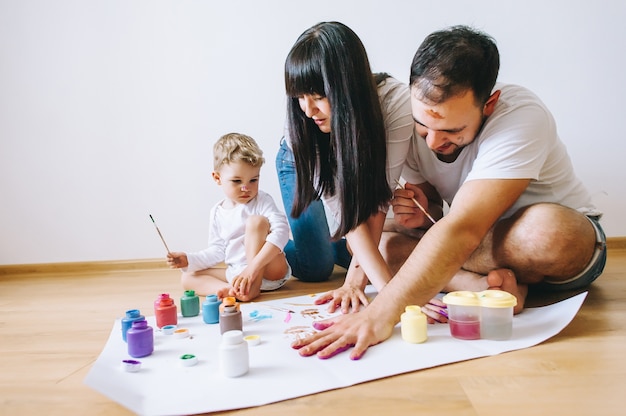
<point>160,235</point>
<point>418,204</point>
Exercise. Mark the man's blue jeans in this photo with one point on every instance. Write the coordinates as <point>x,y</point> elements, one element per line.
<point>311,254</point>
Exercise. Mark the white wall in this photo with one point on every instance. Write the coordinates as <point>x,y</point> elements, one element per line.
<point>108,109</point>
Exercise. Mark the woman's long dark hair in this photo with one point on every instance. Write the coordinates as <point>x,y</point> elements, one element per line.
<point>329,60</point>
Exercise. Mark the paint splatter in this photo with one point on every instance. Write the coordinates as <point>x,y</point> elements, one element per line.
<point>259,316</point>
<point>311,313</point>
<point>299,332</point>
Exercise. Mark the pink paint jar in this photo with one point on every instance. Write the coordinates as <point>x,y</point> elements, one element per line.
<point>463,314</point>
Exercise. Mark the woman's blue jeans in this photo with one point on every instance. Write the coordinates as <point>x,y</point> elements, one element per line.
<point>311,254</point>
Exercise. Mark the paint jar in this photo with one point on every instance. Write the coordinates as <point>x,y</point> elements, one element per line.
<point>463,314</point>
<point>228,300</point>
<point>230,319</point>
<point>190,304</point>
<point>233,352</point>
<point>413,325</point>
<point>165,311</point>
<point>210,309</point>
<point>132,315</point>
<point>496,314</point>
<point>140,338</point>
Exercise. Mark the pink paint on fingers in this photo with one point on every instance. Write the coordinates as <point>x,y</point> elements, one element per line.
<point>320,326</point>
<point>337,351</point>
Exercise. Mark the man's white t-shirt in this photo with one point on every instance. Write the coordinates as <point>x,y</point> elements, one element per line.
<point>518,141</point>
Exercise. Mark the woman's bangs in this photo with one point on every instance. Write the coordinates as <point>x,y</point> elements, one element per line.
<point>303,76</point>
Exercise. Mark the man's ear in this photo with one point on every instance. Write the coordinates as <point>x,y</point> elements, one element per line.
<point>490,105</point>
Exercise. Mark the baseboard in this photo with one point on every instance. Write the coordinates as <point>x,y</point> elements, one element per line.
<point>616,243</point>
<point>612,243</point>
<point>83,267</point>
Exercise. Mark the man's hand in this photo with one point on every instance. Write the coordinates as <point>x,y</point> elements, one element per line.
<point>338,334</point>
<point>406,213</point>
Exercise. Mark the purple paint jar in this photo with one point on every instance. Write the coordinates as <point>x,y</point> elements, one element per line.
<point>140,338</point>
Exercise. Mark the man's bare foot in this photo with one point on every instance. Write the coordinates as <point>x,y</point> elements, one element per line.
<point>504,279</point>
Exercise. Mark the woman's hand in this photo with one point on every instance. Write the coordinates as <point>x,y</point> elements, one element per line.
<point>348,297</point>
<point>436,311</point>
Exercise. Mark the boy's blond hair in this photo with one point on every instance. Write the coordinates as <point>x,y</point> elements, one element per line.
<point>236,147</point>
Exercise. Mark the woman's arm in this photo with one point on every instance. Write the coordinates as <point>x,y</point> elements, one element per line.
<point>367,264</point>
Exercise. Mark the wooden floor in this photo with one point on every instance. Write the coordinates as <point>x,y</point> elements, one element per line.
<point>54,326</point>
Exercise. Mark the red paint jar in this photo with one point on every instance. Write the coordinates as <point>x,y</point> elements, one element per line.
<point>165,311</point>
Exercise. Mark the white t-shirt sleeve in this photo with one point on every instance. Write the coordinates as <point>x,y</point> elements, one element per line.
<point>214,253</point>
<point>395,101</point>
<point>518,150</point>
<point>279,227</point>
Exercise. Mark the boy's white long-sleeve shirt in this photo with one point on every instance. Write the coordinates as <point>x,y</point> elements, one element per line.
<point>227,232</point>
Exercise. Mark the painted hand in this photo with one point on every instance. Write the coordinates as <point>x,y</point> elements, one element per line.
<point>436,311</point>
<point>357,331</point>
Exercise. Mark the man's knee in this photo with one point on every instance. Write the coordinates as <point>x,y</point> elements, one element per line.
<point>548,235</point>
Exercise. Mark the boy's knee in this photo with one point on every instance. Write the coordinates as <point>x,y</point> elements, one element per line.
<point>257,222</point>
<point>186,280</point>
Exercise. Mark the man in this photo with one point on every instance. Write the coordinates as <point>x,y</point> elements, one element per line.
<point>518,215</point>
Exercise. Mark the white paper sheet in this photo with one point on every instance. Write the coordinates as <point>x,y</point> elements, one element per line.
<point>164,387</point>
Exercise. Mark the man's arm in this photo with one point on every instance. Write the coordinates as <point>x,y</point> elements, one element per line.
<point>438,256</point>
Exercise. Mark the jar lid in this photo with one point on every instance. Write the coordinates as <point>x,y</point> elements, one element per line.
<point>253,340</point>
<point>413,309</point>
<point>181,333</point>
<point>233,336</point>
<point>229,300</point>
<point>168,329</point>
<point>188,360</point>
<point>461,298</point>
<point>497,299</point>
<point>131,366</point>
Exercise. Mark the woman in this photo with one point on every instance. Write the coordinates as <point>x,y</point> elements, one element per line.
<point>347,136</point>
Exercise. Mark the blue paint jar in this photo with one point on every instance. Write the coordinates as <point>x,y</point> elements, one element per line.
<point>210,309</point>
<point>132,315</point>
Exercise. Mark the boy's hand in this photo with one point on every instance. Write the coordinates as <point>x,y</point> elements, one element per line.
<point>177,260</point>
<point>243,282</point>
